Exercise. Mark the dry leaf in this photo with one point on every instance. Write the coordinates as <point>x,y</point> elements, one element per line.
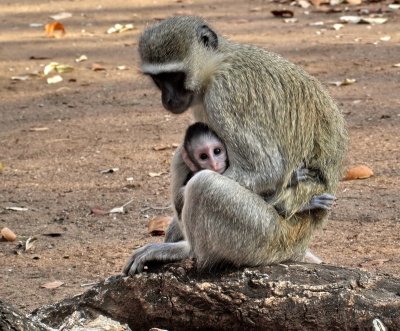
<point>98,211</point>
<point>354,2</point>
<point>156,174</point>
<point>2,166</point>
<point>255,9</point>
<point>119,28</point>
<point>158,225</point>
<point>61,16</point>
<point>394,6</point>
<point>17,208</point>
<point>35,25</point>
<point>122,67</point>
<point>304,4</point>
<point>359,172</point>
<point>396,65</point>
<point>282,13</point>
<point>290,20</point>
<point>347,81</point>
<point>117,210</point>
<point>60,68</point>
<point>164,147</point>
<point>38,129</point>
<point>109,171</point>
<point>97,67</point>
<point>337,26</point>
<point>52,285</point>
<point>81,58</point>
<point>20,78</point>
<point>359,19</point>
<point>54,80</point>
<point>385,38</point>
<point>54,30</point>
<point>7,234</point>
<point>29,243</point>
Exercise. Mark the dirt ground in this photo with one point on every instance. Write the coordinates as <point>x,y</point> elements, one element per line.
<point>56,138</point>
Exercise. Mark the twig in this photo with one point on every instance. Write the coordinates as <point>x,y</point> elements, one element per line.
<point>155,208</point>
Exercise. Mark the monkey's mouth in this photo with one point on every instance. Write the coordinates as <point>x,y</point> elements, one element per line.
<point>180,106</point>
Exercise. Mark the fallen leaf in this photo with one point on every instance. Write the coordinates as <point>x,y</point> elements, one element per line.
<point>17,208</point>
<point>156,174</point>
<point>255,9</point>
<point>290,20</point>
<point>163,147</point>
<point>97,67</point>
<point>60,68</point>
<point>2,166</point>
<point>158,225</point>
<point>38,129</point>
<point>122,67</point>
<point>385,38</point>
<point>337,26</point>
<point>52,285</point>
<point>304,4</point>
<point>359,172</point>
<point>394,6</point>
<point>374,20</point>
<point>81,58</point>
<point>119,28</point>
<point>117,210</point>
<point>98,211</point>
<point>319,23</point>
<point>54,30</point>
<point>109,171</point>
<point>54,80</point>
<point>36,25</point>
<point>282,13</point>
<point>354,2</point>
<point>346,81</point>
<point>7,234</point>
<point>335,2</point>
<point>61,16</point>
<point>29,243</point>
<point>20,78</point>
<point>121,209</point>
<point>359,19</point>
<point>396,65</point>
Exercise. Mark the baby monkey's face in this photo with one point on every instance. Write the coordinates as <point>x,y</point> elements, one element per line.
<point>210,154</point>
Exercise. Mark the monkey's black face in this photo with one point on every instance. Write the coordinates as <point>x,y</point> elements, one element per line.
<point>174,96</point>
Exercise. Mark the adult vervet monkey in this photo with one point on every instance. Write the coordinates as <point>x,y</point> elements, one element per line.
<point>272,117</point>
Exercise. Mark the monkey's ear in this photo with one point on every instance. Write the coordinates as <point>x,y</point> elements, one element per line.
<point>207,37</point>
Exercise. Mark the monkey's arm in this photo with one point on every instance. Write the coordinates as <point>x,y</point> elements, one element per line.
<point>156,252</point>
<point>174,232</point>
<point>179,174</point>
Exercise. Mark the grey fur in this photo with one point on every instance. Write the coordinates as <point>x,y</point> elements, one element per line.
<point>272,116</point>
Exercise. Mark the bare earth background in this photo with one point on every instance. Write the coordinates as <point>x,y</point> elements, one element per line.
<point>113,119</point>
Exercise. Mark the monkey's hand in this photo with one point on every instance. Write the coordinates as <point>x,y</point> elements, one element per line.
<point>156,252</point>
<point>323,201</point>
<point>302,174</point>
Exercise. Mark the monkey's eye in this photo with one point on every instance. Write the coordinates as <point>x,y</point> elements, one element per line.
<point>203,156</point>
<point>217,151</point>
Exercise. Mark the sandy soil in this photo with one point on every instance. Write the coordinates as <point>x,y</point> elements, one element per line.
<point>113,118</point>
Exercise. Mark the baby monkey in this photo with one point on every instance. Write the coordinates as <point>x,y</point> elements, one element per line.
<point>203,149</point>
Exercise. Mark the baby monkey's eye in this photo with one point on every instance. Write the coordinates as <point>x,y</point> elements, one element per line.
<point>203,156</point>
<point>217,151</point>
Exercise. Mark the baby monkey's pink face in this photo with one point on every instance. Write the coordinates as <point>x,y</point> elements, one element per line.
<point>210,154</point>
